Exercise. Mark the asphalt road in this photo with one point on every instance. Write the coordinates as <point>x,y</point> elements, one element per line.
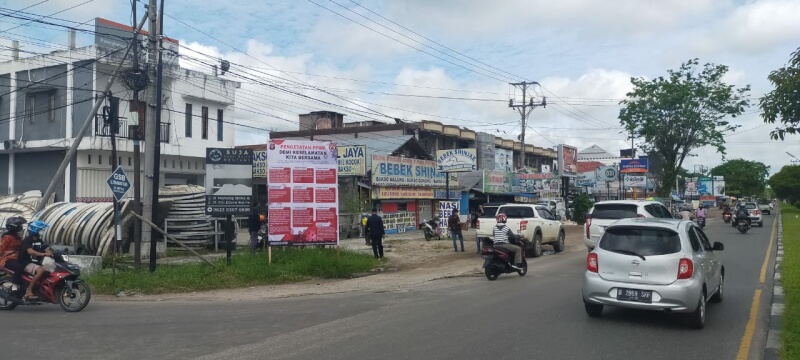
<point>539,316</point>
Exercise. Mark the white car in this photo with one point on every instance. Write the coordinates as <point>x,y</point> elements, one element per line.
<point>536,223</point>
<point>605,213</point>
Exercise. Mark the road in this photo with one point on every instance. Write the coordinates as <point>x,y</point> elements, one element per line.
<point>539,316</point>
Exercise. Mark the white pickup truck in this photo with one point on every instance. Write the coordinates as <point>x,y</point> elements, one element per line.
<point>534,222</point>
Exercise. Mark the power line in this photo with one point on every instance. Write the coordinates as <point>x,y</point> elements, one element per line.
<point>46,16</point>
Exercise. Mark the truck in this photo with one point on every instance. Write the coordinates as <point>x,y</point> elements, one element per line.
<point>534,222</point>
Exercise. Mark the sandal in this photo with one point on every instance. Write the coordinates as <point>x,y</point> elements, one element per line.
<point>31,297</point>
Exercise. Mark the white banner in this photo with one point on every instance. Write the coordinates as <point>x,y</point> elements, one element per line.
<point>635,181</point>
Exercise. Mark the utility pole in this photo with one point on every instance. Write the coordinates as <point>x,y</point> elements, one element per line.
<point>794,159</point>
<point>525,109</point>
<point>157,138</point>
<point>150,133</point>
<point>137,154</point>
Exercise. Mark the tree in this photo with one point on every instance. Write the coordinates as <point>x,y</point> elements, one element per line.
<point>782,104</point>
<point>581,205</point>
<point>686,110</point>
<point>786,183</point>
<point>743,177</point>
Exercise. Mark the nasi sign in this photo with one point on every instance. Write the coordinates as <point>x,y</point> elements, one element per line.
<point>400,171</point>
<point>352,160</point>
<point>118,183</point>
<point>457,160</point>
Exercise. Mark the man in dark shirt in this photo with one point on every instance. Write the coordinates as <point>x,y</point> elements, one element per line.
<point>454,223</point>
<point>376,233</point>
<point>254,225</point>
<point>31,254</point>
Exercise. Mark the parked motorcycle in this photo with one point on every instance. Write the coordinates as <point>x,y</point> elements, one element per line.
<point>727,217</point>
<point>431,229</point>
<point>742,226</point>
<point>497,261</point>
<point>62,286</point>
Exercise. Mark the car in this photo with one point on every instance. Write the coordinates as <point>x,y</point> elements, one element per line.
<point>765,208</point>
<point>489,212</point>
<point>534,222</point>
<point>604,213</point>
<point>755,214</point>
<point>654,264</point>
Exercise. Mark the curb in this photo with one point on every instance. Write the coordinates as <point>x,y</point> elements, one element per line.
<point>773,347</point>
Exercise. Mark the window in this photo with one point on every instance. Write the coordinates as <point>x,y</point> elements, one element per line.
<point>544,213</point>
<point>204,123</point>
<point>188,117</point>
<point>99,159</point>
<point>129,161</point>
<point>219,125</point>
<point>140,112</point>
<point>120,161</point>
<point>614,211</point>
<point>51,110</point>
<point>489,211</point>
<point>657,211</point>
<point>402,207</point>
<point>694,240</point>
<point>89,158</point>
<point>641,240</point>
<point>30,108</point>
<point>165,163</point>
<point>517,212</point>
<point>703,239</point>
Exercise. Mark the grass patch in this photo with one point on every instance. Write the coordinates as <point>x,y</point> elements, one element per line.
<point>289,265</point>
<point>790,334</point>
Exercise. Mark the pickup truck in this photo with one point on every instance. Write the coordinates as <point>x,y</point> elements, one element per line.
<point>534,222</point>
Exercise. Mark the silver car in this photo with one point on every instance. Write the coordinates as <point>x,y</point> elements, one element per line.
<point>654,264</point>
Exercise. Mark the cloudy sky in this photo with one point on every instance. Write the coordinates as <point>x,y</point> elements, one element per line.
<point>451,60</point>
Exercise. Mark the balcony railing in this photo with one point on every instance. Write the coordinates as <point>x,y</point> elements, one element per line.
<point>126,131</point>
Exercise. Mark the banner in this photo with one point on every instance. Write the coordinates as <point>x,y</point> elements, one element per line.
<point>586,179</point>
<point>535,183</point>
<point>445,209</point>
<point>567,160</point>
<point>627,166</point>
<point>704,186</point>
<point>719,187</point>
<point>496,182</point>
<point>303,192</point>
<point>503,160</point>
<point>607,173</point>
<point>634,181</point>
<point>259,164</point>
<point>402,193</point>
<point>229,181</point>
<point>691,188</point>
<point>457,160</point>
<point>401,171</point>
<point>352,160</point>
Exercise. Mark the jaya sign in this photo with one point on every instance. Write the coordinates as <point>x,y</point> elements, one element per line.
<point>352,160</point>
<point>457,160</point>
<point>400,171</point>
<point>259,164</point>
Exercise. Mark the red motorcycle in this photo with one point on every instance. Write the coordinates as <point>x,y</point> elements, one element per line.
<point>62,286</point>
<point>497,261</point>
<point>727,217</point>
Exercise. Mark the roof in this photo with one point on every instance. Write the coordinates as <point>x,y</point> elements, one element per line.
<point>637,202</point>
<point>671,224</point>
<point>595,152</point>
<point>589,166</point>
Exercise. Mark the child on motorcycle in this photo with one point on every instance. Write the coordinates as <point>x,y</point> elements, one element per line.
<point>503,236</point>
<point>32,255</point>
<point>10,245</point>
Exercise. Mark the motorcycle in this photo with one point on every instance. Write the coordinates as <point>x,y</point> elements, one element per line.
<point>63,286</point>
<point>497,261</point>
<point>727,217</point>
<point>701,221</point>
<point>742,226</point>
<point>431,229</point>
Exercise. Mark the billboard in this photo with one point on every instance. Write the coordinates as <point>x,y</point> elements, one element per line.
<point>229,181</point>
<point>567,160</point>
<point>457,160</point>
<point>607,173</point>
<point>503,160</point>
<point>303,192</point>
<point>628,166</point>
<point>535,183</point>
<point>691,188</point>
<point>704,186</point>
<point>588,178</point>
<point>637,181</point>
<point>352,160</point>
<point>719,185</point>
<point>259,164</point>
<point>402,171</point>
<point>496,182</point>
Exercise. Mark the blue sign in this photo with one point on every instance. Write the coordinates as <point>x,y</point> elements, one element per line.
<point>633,165</point>
<point>118,183</point>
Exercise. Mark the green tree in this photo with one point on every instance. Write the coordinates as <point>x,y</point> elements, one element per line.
<point>782,104</point>
<point>786,183</point>
<point>686,110</point>
<point>743,177</point>
<point>581,204</point>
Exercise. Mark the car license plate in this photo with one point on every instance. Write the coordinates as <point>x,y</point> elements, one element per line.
<point>645,296</point>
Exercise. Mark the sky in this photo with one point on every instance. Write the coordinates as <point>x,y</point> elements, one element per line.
<point>452,60</point>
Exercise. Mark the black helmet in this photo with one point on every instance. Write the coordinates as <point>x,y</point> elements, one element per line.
<point>14,224</point>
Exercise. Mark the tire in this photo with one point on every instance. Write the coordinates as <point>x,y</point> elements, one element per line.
<point>697,319</point>
<point>82,299</point>
<point>717,297</point>
<point>761,224</point>
<point>536,246</point>
<point>428,236</point>
<point>593,310</point>
<point>524,268</point>
<point>6,304</point>
<point>491,275</point>
<point>558,246</point>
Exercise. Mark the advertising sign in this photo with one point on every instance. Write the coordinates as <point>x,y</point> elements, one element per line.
<point>628,166</point>
<point>445,209</point>
<point>303,192</point>
<point>259,164</point>
<point>567,160</point>
<point>402,193</point>
<point>496,182</point>
<point>118,183</point>
<point>719,187</point>
<point>634,181</point>
<point>401,171</point>
<point>352,160</point>
<point>503,160</point>
<point>535,183</point>
<point>607,173</point>
<point>457,160</point>
<point>585,179</point>
<point>704,186</point>
<point>691,188</point>
<point>229,181</point>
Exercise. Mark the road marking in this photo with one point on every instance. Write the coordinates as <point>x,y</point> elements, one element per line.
<point>750,329</point>
<point>769,250</point>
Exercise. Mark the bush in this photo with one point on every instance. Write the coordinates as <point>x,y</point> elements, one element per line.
<point>582,204</point>
<point>797,204</point>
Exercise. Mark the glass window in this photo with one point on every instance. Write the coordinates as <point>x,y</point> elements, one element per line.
<point>694,240</point>
<point>89,158</point>
<point>703,239</point>
<point>219,125</point>
<point>51,111</point>
<point>517,212</point>
<point>204,124</point>
<point>614,211</point>
<point>489,211</point>
<point>544,213</point>
<point>188,119</point>
<point>641,240</point>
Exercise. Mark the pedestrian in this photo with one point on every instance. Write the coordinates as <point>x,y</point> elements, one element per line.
<point>364,218</point>
<point>253,226</point>
<point>376,233</point>
<point>454,223</point>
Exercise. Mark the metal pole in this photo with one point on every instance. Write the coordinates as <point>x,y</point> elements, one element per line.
<point>157,138</point>
<point>59,176</point>
<point>150,136</point>
<point>137,161</point>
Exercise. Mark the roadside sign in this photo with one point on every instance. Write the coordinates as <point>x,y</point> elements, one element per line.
<point>229,181</point>
<point>118,183</point>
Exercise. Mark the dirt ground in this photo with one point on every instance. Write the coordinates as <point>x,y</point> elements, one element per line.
<point>410,261</point>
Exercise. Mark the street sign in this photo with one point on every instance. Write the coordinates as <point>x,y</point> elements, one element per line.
<point>607,173</point>
<point>118,183</point>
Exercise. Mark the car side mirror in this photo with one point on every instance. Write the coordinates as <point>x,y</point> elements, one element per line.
<point>718,246</point>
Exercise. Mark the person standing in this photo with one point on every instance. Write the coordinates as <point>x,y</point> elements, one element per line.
<point>254,226</point>
<point>376,233</point>
<point>365,229</point>
<point>454,224</point>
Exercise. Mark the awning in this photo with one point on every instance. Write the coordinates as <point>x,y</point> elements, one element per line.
<point>365,186</point>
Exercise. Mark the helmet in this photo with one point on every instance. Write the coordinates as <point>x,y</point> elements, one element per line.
<point>501,218</point>
<point>37,226</point>
<point>262,217</point>
<point>14,224</point>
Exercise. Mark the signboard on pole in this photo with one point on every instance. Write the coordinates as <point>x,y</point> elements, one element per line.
<point>586,179</point>
<point>402,171</point>
<point>567,160</point>
<point>457,160</point>
<point>229,181</point>
<point>607,173</point>
<point>704,186</point>
<point>503,160</point>
<point>303,192</point>
<point>118,183</point>
<point>637,181</point>
<point>627,166</point>
<point>352,160</point>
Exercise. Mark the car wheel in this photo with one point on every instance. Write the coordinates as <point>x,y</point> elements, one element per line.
<point>697,319</point>
<point>717,298</point>
<point>593,310</point>
<point>558,246</point>
<point>535,249</point>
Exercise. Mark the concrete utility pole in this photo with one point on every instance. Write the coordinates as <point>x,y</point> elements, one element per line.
<point>524,110</point>
<point>150,131</point>
<point>137,158</point>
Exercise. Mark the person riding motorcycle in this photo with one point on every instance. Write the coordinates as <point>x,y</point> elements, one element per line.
<point>686,214</point>
<point>700,214</point>
<point>741,214</point>
<point>503,238</point>
<point>10,245</point>
<point>32,255</point>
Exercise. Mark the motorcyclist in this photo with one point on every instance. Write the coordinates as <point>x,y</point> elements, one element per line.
<point>9,248</point>
<point>686,214</point>
<point>503,238</point>
<point>700,214</point>
<point>742,214</point>
<point>32,254</point>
